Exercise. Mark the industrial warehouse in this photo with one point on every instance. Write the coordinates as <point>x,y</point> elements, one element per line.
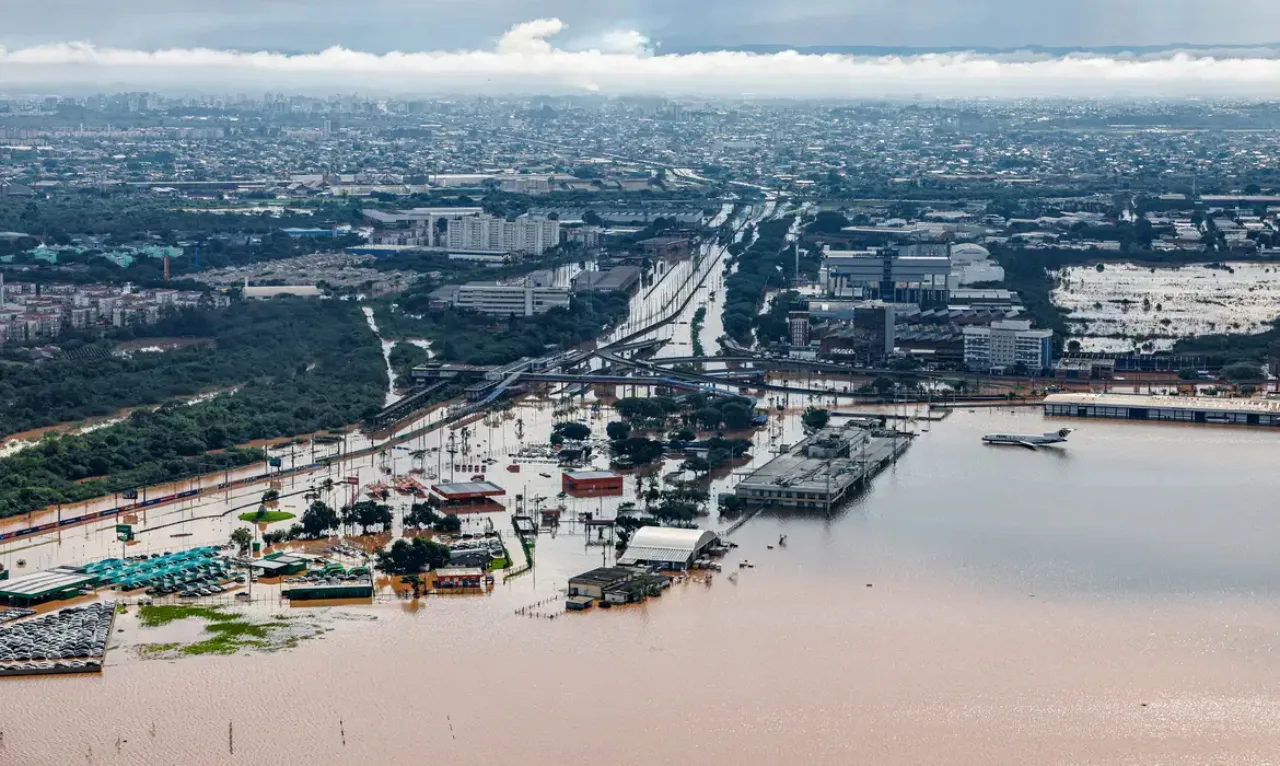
<point>667,547</point>
<point>1176,409</point>
<point>821,471</point>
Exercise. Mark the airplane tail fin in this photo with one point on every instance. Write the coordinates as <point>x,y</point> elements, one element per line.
<point>1065,432</point>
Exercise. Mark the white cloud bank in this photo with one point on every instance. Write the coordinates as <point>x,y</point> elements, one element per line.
<point>525,60</point>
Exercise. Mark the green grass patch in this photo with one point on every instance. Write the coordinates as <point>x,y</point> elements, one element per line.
<point>227,633</point>
<point>230,637</point>
<point>253,517</point>
<point>154,616</point>
<point>499,563</point>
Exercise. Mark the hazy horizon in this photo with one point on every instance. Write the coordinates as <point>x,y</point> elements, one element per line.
<point>544,56</point>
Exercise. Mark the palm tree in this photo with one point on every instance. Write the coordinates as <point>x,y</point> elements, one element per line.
<point>327,486</point>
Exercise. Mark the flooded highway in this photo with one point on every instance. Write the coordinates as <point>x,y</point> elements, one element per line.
<point>1112,601</point>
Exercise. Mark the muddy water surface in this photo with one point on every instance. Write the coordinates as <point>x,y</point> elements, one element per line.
<point>1111,602</point>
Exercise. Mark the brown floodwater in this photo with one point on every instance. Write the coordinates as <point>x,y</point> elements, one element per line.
<point>1111,602</point>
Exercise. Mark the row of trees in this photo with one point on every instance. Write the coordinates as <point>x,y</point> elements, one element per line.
<point>407,557</point>
<point>474,338</point>
<point>342,382</point>
<point>424,516</point>
<point>320,520</point>
<point>120,216</point>
<point>262,341</point>
<point>709,413</point>
<point>762,264</point>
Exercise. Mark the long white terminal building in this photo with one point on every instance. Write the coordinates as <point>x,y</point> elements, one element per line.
<point>1175,409</point>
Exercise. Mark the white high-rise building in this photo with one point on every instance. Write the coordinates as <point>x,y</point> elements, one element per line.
<point>1007,344</point>
<point>485,233</point>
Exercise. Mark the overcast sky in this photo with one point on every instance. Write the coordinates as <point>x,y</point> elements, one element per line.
<point>413,25</point>
<point>427,47</point>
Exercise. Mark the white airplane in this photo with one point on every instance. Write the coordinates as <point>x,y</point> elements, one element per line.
<point>1029,441</point>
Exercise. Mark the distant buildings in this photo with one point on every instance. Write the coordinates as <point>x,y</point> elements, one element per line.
<point>668,248</point>
<point>30,312</point>
<point>888,275</point>
<point>465,229</point>
<point>415,227</point>
<point>860,332</point>
<point>798,328</point>
<point>1007,345</point>
<point>972,264</point>
<point>529,296</point>
<point>623,279</point>
<point>487,234</point>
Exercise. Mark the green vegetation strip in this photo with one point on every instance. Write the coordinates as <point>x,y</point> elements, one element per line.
<point>303,366</point>
<point>156,616</point>
<point>229,633</point>
<point>253,517</point>
<point>758,269</point>
<point>695,330</point>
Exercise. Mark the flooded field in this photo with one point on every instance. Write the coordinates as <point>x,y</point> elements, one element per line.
<point>1127,306</point>
<point>1109,602</point>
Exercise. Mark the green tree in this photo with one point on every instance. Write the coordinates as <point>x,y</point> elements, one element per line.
<point>736,416</point>
<point>815,418</point>
<point>708,417</point>
<point>572,431</point>
<point>448,524</point>
<point>618,430</point>
<point>319,520</point>
<point>414,557</point>
<point>696,465</point>
<point>1242,371</point>
<point>242,539</point>
<point>421,515</point>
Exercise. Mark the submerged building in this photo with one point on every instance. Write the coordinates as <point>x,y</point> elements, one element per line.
<point>1175,409</point>
<point>822,471</point>
<point>667,547</point>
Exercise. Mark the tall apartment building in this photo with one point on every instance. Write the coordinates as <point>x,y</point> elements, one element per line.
<point>1006,344</point>
<point>416,227</point>
<point>485,233</point>
<point>798,327</point>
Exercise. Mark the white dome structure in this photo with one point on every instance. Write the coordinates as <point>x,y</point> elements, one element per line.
<point>968,253</point>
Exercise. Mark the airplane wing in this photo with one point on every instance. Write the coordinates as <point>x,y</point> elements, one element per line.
<point>1027,444</point>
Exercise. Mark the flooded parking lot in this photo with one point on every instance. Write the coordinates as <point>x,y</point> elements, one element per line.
<point>1127,306</point>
